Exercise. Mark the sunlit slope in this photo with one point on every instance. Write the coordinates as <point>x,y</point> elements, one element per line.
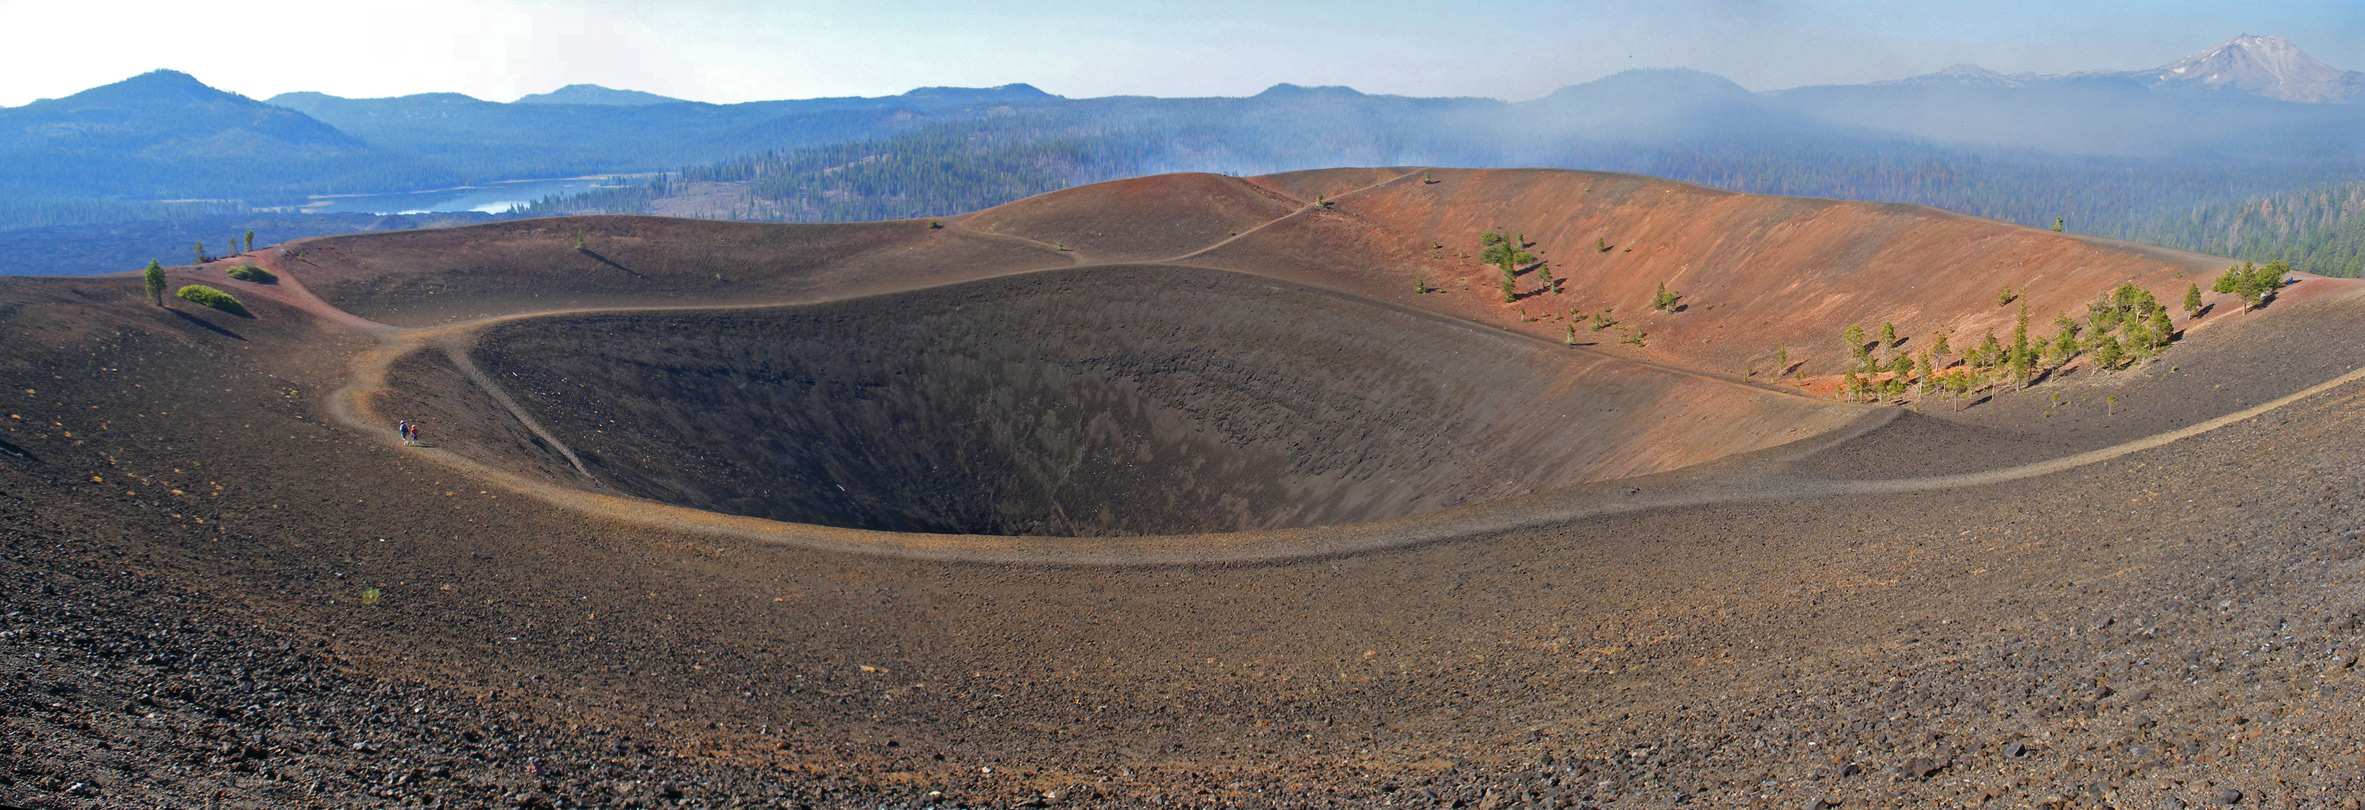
<point>1754,274</point>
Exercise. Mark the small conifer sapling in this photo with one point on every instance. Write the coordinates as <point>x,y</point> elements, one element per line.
<point>153,280</point>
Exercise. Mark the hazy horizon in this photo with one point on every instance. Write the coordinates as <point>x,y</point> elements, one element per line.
<point>732,50</point>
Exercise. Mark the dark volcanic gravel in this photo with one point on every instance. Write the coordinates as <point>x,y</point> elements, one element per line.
<point>186,558</point>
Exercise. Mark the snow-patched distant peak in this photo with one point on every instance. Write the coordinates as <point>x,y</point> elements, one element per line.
<point>2265,66</point>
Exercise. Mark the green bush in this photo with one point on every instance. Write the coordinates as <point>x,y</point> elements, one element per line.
<point>248,272</point>
<point>208,296</point>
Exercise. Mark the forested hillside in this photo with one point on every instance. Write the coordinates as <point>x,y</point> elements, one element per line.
<point>2318,230</point>
<point>484,141</point>
<point>964,166</point>
<point>2244,175</point>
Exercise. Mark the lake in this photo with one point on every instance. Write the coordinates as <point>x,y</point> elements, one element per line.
<point>490,198</point>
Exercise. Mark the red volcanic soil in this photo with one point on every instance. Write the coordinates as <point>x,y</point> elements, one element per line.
<point>1593,576</point>
<point>1143,219</point>
<point>1755,274</point>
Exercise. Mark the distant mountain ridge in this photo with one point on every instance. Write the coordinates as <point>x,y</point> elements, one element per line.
<point>2253,115</point>
<point>596,95</point>
<point>2264,66</point>
<point>2267,67</point>
<point>165,134</point>
<point>2249,98</point>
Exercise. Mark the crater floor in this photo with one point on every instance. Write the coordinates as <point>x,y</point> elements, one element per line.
<point>1114,401</point>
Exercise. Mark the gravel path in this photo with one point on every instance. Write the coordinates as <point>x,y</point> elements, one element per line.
<point>216,592</point>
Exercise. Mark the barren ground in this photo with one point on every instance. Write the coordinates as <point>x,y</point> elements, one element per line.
<point>218,592</point>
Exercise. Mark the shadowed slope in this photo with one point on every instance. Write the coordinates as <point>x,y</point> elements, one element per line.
<point>1113,399</point>
<point>412,278</point>
<point>1091,402</point>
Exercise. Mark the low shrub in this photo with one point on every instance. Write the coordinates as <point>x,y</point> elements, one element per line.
<point>248,272</point>
<point>208,296</point>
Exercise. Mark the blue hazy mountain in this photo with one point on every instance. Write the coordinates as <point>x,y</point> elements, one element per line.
<point>166,135</point>
<point>596,96</point>
<point>2252,116</point>
<point>486,140</point>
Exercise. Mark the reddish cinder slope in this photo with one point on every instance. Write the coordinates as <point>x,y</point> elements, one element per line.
<point>1142,219</point>
<point>1755,273</point>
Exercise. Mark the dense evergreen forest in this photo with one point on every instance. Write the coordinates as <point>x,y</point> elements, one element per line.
<point>2319,230</point>
<point>121,171</point>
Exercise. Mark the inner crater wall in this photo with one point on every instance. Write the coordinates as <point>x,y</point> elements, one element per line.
<point>1109,401</point>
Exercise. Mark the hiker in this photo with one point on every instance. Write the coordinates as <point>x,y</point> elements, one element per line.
<point>414,434</point>
<point>404,428</point>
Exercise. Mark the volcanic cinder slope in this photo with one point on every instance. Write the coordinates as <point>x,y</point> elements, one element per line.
<point>1174,491</point>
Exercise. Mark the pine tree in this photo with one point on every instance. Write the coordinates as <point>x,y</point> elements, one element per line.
<point>153,279</point>
<point>200,252</point>
<point>1888,334</point>
<point>2020,352</point>
<point>2066,325</point>
<point>250,241</point>
<point>2192,300</point>
<point>2108,352</point>
<point>2063,347</point>
<point>1664,300</point>
<point>2140,341</point>
<point>1854,337</point>
<point>2253,283</point>
<point>1507,255</point>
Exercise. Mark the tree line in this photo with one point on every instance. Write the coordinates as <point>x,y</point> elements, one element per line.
<point>947,168</point>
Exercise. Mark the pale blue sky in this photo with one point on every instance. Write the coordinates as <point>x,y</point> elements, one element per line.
<point>739,50</point>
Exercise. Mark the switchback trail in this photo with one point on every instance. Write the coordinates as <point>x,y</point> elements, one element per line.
<point>1303,208</point>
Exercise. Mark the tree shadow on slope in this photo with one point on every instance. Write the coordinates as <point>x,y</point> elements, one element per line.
<point>609,262</point>
<point>207,325</point>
